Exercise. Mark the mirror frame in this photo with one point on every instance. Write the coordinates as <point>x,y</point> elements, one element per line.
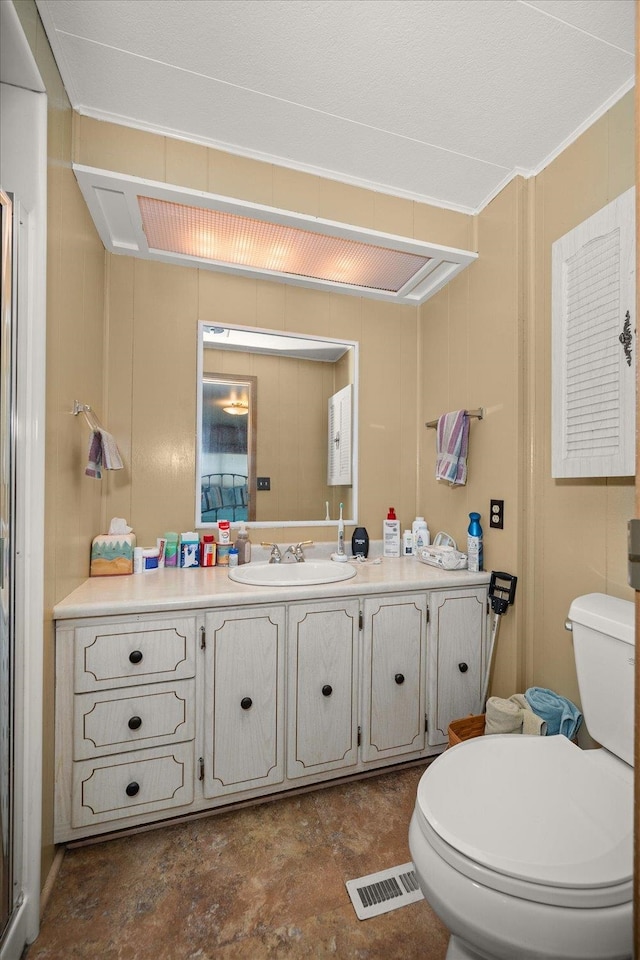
<point>271,524</point>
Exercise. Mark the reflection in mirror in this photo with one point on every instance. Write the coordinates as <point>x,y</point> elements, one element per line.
<point>228,448</point>
<point>304,454</point>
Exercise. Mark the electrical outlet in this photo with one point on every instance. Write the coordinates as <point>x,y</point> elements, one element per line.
<point>496,515</point>
<point>263,483</point>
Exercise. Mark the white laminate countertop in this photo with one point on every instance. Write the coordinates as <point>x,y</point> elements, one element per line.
<point>180,589</point>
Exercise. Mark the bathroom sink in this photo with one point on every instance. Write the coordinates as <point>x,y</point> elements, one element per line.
<point>292,574</point>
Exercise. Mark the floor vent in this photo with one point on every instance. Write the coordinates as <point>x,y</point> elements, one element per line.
<point>387,890</point>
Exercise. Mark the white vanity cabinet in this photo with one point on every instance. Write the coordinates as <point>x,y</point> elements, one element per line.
<point>323,687</point>
<point>125,720</point>
<point>456,657</point>
<point>243,699</point>
<point>393,677</point>
<point>161,715</point>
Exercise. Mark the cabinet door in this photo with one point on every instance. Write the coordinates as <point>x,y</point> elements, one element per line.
<point>393,679</point>
<point>456,657</point>
<point>323,663</point>
<point>244,708</point>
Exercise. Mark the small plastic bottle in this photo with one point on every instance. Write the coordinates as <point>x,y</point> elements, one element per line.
<point>243,545</point>
<point>407,544</point>
<point>208,551</point>
<point>474,544</point>
<point>391,535</point>
<point>233,557</point>
<point>171,549</point>
<point>360,542</point>
<point>420,532</point>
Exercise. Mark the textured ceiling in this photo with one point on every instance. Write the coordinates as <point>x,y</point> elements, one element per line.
<point>438,100</point>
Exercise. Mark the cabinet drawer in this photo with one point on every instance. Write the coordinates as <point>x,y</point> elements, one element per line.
<point>134,784</point>
<point>115,721</point>
<point>126,654</point>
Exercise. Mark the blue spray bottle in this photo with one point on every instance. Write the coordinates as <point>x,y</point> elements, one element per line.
<point>474,544</point>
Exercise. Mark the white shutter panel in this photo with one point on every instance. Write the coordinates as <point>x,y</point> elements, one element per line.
<point>339,438</point>
<point>593,291</point>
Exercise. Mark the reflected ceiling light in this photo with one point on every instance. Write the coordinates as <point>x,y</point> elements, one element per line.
<point>237,408</point>
<point>158,221</point>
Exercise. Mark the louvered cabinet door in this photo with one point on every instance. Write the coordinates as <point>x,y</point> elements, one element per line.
<point>322,641</point>
<point>244,700</point>
<point>594,345</point>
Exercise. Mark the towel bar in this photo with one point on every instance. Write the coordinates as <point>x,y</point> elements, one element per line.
<point>478,414</point>
<point>89,415</point>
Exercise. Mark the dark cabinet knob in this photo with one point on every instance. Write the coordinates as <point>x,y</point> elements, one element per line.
<point>399,678</point>
<point>463,667</point>
<point>135,656</point>
<point>135,723</point>
<point>246,703</point>
<point>132,788</point>
<point>327,690</point>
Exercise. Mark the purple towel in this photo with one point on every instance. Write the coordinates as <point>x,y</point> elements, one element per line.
<point>452,447</point>
<point>103,453</point>
<point>94,465</point>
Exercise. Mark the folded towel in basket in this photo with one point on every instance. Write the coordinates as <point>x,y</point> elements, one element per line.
<point>452,446</point>
<point>512,716</point>
<point>561,715</point>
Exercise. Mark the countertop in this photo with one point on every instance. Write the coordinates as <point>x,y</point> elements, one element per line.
<point>180,589</point>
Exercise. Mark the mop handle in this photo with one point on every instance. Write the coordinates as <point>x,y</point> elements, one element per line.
<point>502,593</point>
<point>487,669</point>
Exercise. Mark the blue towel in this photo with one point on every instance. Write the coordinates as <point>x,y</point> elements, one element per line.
<point>561,715</point>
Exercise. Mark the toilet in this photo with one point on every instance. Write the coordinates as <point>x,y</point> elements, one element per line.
<point>523,845</point>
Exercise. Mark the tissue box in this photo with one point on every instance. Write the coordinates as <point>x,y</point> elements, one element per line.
<point>112,554</point>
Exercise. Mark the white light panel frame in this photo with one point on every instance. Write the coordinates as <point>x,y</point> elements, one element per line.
<point>112,199</point>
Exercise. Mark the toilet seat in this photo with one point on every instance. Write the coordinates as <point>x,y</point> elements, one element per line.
<point>534,817</point>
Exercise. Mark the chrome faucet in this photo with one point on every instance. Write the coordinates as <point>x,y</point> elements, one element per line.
<point>296,552</point>
<point>275,556</point>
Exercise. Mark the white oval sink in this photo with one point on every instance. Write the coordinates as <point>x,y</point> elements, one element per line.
<point>292,574</point>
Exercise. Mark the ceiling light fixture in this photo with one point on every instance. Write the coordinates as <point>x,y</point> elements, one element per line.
<point>172,224</point>
<point>237,408</point>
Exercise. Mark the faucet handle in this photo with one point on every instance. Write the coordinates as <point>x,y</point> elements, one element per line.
<point>276,556</point>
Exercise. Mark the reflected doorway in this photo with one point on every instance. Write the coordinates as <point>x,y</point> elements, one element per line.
<point>228,448</point>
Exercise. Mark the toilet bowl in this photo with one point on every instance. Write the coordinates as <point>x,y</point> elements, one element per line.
<point>523,845</point>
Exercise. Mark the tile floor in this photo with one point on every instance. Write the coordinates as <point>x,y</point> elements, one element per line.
<point>263,882</point>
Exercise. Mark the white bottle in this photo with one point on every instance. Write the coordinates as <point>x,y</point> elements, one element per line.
<point>420,530</point>
<point>391,535</point>
<point>407,544</point>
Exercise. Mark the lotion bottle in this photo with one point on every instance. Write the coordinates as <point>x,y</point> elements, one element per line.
<point>420,532</point>
<point>391,535</point>
<point>243,545</point>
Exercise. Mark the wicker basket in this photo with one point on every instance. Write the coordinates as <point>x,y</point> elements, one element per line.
<point>466,729</point>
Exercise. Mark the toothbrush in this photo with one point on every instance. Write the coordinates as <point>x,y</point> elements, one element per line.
<point>340,534</point>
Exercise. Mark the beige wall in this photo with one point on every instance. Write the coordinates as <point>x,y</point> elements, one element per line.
<point>485,341</point>
<point>153,310</point>
<point>576,528</point>
<point>75,318</point>
<point>470,357</point>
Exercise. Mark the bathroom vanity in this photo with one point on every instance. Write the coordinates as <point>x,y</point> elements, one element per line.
<point>181,691</point>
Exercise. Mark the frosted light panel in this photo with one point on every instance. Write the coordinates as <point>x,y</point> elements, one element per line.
<point>232,239</point>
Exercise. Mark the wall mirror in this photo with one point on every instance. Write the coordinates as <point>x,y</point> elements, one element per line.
<point>276,428</point>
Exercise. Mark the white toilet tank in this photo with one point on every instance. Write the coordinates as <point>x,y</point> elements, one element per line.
<point>604,650</point>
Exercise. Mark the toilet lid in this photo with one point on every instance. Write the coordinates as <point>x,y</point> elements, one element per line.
<point>534,808</point>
